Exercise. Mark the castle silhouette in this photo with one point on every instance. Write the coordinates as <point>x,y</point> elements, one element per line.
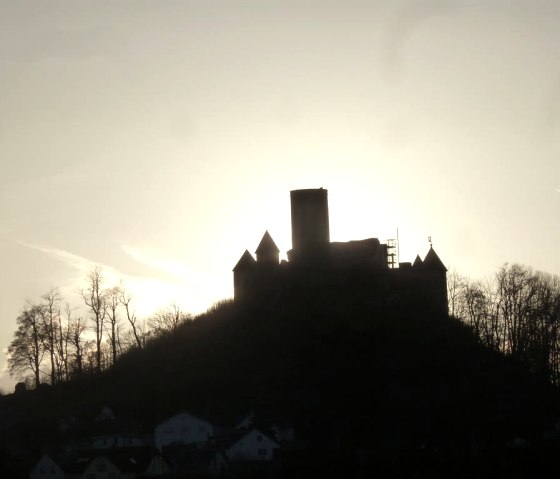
<point>357,272</point>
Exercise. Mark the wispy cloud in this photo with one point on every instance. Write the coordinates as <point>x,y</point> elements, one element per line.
<point>164,262</point>
<point>150,293</point>
<point>79,263</point>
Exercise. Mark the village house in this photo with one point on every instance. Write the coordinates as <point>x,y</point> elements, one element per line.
<point>183,428</point>
<point>251,446</point>
<point>47,468</point>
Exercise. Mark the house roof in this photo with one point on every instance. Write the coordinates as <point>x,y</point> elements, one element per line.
<point>267,245</point>
<point>245,261</point>
<point>432,261</point>
<point>183,415</point>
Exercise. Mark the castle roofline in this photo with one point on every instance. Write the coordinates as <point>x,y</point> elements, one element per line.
<point>246,261</point>
<point>417,262</point>
<point>432,261</point>
<point>267,245</point>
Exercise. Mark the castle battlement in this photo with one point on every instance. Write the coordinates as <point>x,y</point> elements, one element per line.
<point>315,264</point>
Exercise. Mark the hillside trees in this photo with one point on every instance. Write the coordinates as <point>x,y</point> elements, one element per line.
<point>168,320</point>
<point>26,351</point>
<point>94,298</point>
<point>112,299</point>
<point>517,313</point>
<point>138,333</point>
<point>56,344</point>
<point>50,327</point>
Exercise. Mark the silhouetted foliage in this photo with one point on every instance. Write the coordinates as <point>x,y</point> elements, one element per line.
<point>516,313</point>
<point>168,320</point>
<point>26,351</point>
<point>95,299</point>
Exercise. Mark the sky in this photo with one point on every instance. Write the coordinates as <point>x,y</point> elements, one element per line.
<point>160,139</point>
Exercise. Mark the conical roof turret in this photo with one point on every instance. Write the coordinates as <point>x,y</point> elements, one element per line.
<point>246,261</point>
<point>432,261</point>
<point>267,245</point>
<point>267,251</point>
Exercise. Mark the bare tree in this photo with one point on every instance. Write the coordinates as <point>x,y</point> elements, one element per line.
<point>51,319</point>
<point>94,297</point>
<point>77,327</point>
<point>138,333</point>
<point>455,285</point>
<point>516,313</point>
<point>112,299</point>
<point>26,351</point>
<point>168,320</point>
<point>64,338</point>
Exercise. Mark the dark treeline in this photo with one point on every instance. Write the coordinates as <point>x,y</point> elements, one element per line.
<point>516,312</point>
<point>54,343</point>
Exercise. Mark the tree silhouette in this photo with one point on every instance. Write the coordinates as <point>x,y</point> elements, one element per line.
<point>26,351</point>
<point>51,320</point>
<point>168,320</point>
<point>125,299</point>
<point>95,299</point>
<point>112,300</point>
<point>516,313</point>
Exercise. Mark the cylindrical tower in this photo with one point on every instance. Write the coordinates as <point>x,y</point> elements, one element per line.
<point>310,221</point>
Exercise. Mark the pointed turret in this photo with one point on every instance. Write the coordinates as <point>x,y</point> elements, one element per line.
<point>417,262</point>
<point>246,261</point>
<point>267,252</point>
<point>244,277</point>
<point>432,261</point>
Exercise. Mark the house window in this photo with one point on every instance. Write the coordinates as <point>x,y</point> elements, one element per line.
<point>259,438</point>
<point>262,452</point>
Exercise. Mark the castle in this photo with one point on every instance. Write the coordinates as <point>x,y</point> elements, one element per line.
<point>363,271</point>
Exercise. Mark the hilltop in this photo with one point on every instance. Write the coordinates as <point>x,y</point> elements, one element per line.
<point>386,383</point>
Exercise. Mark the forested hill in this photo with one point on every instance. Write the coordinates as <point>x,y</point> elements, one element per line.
<point>349,379</point>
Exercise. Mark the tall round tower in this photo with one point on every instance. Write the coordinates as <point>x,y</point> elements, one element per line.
<point>310,222</point>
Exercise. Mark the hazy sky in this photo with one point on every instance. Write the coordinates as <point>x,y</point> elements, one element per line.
<point>160,139</point>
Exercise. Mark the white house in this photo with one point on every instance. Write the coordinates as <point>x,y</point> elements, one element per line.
<point>183,428</point>
<point>253,446</point>
<point>46,468</point>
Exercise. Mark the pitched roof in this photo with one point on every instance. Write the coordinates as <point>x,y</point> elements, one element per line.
<point>245,261</point>
<point>417,262</point>
<point>432,261</point>
<point>267,245</point>
<point>183,416</point>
